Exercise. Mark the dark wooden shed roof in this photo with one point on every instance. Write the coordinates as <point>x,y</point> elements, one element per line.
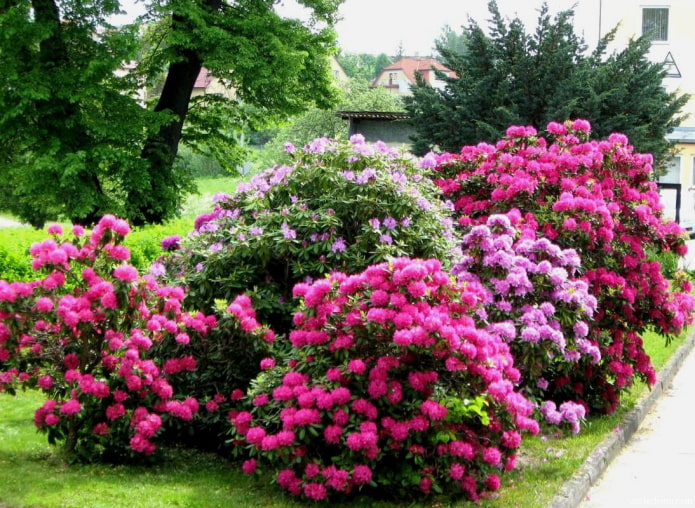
<point>372,115</point>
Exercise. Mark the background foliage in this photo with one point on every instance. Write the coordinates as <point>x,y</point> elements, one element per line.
<point>515,77</point>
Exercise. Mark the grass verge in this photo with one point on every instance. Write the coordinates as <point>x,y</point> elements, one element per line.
<point>32,473</point>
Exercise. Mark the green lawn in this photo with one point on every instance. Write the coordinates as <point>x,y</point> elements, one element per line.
<point>195,204</point>
<point>32,473</point>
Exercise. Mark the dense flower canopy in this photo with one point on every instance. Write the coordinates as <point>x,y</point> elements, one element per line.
<point>599,198</point>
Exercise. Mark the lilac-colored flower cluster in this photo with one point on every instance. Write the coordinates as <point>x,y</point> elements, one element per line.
<point>339,205</point>
<point>535,300</point>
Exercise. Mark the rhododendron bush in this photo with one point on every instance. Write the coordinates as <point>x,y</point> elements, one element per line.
<point>391,387</point>
<point>85,334</point>
<point>536,302</point>
<point>599,198</point>
<point>339,206</point>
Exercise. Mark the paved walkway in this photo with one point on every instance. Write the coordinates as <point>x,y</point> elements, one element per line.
<point>657,466</point>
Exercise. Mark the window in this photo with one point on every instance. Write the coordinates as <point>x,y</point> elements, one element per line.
<point>393,79</point>
<point>655,23</point>
<point>673,171</point>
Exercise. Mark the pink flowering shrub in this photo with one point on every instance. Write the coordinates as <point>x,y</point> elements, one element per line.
<point>339,206</point>
<point>86,335</point>
<point>537,303</point>
<point>599,198</point>
<point>227,360</point>
<point>391,388</point>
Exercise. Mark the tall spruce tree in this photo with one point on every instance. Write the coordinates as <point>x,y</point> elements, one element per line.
<point>512,77</point>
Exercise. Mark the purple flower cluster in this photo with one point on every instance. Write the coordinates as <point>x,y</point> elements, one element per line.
<point>535,300</point>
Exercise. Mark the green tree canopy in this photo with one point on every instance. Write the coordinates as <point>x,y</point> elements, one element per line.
<point>451,40</point>
<point>363,65</point>
<point>78,143</point>
<point>512,77</point>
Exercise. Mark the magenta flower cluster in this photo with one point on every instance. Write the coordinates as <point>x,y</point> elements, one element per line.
<point>390,385</point>
<point>87,334</point>
<point>599,198</point>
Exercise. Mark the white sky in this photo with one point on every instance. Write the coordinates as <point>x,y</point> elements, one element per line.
<point>381,26</point>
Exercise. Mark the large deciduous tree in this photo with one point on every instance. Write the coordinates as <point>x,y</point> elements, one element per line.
<point>77,141</point>
<point>508,76</point>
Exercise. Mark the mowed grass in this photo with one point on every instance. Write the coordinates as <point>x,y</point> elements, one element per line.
<point>32,474</point>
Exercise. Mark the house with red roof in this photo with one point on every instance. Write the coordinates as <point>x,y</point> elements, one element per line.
<point>400,76</point>
<point>206,83</point>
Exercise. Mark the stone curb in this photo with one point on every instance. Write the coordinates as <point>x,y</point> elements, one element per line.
<point>576,488</point>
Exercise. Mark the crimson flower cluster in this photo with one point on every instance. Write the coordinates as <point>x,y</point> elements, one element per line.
<point>391,386</point>
<point>599,198</point>
<point>86,333</point>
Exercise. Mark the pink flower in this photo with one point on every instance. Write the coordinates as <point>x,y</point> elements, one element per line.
<point>45,382</point>
<point>315,491</point>
<point>71,407</point>
<point>119,253</point>
<point>581,125</point>
<point>433,410</point>
<point>267,363</point>
<point>44,304</point>
<point>101,429</point>
<point>461,449</point>
<point>357,366</point>
<point>493,482</point>
<point>332,434</point>
<point>125,273</point>
<point>52,419</point>
<point>261,399</point>
<point>55,229</point>
<point>249,466</point>
<point>456,471</point>
<point>285,438</point>
<point>120,227</point>
<point>361,474</point>
<point>492,456</point>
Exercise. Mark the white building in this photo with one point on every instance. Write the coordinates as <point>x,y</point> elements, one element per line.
<point>670,26</point>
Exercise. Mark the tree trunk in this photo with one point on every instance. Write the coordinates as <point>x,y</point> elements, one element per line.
<point>161,148</point>
<point>175,98</point>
